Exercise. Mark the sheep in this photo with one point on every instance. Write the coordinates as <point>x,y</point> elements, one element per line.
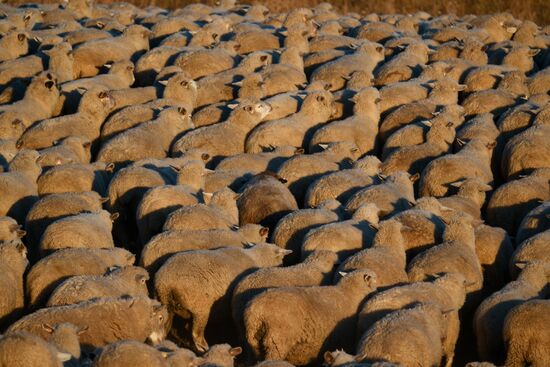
<point>394,194</point>
<point>231,264</point>
<point>318,323</point>
<point>227,138</point>
<point>521,58</point>
<point>446,290</point>
<point>534,222</point>
<point>18,186</point>
<point>64,337</point>
<point>14,262</point>
<point>456,253</point>
<point>385,257</point>
<point>158,202</point>
<point>256,163</point>
<point>20,349</point>
<point>315,270</point>
<point>8,150</point>
<point>343,237</point>
<point>469,198</point>
<point>75,177</point>
<point>473,160</point>
<point>526,343</point>
<point>489,317</point>
<point>365,58</point>
<point>397,94</point>
<point>294,130</point>
<point>72,149</point>
<point>39,103</point>
<point>538,82</point>
<point>292,228</point>
<point>130,352</point>
<point>202,62</point>
<point>265,200</point>
<point>341,185</point>
<point>301,170</point>
<point>129,280</point>
<point>218,88</point>
<point>415,158</point>
<point>144,140</point>
<point>10,230</point>
<point>220,213</point>
<point>47,273</point>
<point>91,55</point>
<point>88,230</point>
<point>494,248</point>
<point>518,158</point>
<point>137,318</point>
<point>532,249</point>
<point>402,66</point>
<point>59,62</point>
<point>13,45</point>
<point>93,108</point>
<point>120,76</point>
<point>56,206</point>
<point>361,128</point>
<point>167,243</point>
<point>423,225</point>
<point>384,341</point>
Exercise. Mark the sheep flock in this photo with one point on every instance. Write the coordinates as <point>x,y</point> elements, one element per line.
<point>227,186</point>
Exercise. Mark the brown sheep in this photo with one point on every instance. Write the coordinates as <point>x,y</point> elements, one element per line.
<point>216,270</point>
<point>315,318</point>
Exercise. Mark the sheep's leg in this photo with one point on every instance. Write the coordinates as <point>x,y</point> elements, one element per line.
<point>515,356</point>
<point>448,359</point>
<point>197,332</point>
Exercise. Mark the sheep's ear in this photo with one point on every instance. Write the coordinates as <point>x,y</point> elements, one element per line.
<point>491,145</point>
<point>108,65</point>
<point>21,248</point>
<point>461,87</point>
<point>63,357</point>
<point>456,184</point>
<point>182,110</point>
<point>369,279</point>
<point>237,196</point>
<point>299,151</point>
<point>175,168</point>
<point>264,231</point>
<point>414,177</point>
<point>521,264</point>
<point>163,82</point>
<point>235,228</point>
<point>373,226</point>
<point>21,37</point>
<point>427,123</point>
<point>110,167</point>
<point>81,90</point>
<point>21,233</point>
<point>328,357</point>
<point>381,177</point>
<point>534,52</point>
<point>323,146</point>
<point>104,200</point>
<point>232,106</point>
<point>205,157</point>
<point>284,252</point>
<point>235,351</point>
<point>48,328</point>
<point>114,216</point>
<point>82,330</point>
<point>249,245</point>
<point>236,84</point>
<point>342,273</point>
<point>207,196</point>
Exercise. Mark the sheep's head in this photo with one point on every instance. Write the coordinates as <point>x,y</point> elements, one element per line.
<point>249,111</point>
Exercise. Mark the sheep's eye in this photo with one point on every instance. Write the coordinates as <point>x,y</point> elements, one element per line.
<point>184,83</point>
<point>161,318</point>
<point>248,108</point>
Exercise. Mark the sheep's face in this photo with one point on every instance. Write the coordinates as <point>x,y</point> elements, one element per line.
<point>249,111</point>
<point>160,323</point>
